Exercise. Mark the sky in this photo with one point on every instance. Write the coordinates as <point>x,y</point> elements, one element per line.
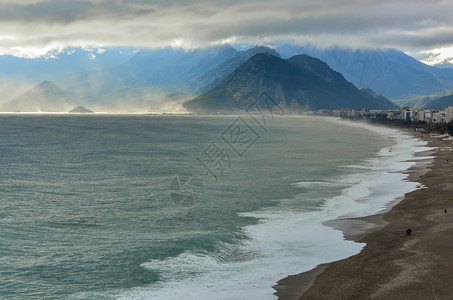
<point>32,28</point>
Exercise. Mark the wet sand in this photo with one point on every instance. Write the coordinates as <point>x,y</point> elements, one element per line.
<point>393,265</point>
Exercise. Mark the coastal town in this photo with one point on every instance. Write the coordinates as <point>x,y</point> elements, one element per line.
<point>408,114</point>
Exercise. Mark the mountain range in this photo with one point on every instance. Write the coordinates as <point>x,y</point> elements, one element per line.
<point>58,65</point>
<point>388,72</point>
<point>123,77</point>
<point>298,83</point>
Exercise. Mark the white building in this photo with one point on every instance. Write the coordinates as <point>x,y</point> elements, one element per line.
<point>439,116</point>
<point>427,113</point>
<point>449,114</point>
<point>420,116</point>
<point>424,115</point>
<point>407,113</point>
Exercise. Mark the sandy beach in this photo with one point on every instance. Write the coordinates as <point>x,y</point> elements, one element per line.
<point>394,265</point>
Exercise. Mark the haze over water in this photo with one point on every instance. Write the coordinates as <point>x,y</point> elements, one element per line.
<point>86,211</point>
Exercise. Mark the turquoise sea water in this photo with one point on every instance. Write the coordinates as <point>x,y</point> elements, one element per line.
<point>88,208</point>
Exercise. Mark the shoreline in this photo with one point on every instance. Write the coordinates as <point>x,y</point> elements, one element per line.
<point>343,277</point>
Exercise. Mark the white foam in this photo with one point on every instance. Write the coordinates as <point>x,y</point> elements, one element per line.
<point>317,183</point>
<point>283,242</point>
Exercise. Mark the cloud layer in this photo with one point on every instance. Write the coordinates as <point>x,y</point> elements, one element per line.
<point>31,27</point>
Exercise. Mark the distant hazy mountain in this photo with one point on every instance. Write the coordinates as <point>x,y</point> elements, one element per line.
<point>415,102</point>
<point>45,97</point>
<point>215,75</point>
<point>389,72</point>
<point>442,102</point>
<point>445,65</point>
<point>301,82</point>
<point>55,67</point>
<point>176,97</point>
<point>155,72</point>
<point>171,69</point>
<point>418,102</point>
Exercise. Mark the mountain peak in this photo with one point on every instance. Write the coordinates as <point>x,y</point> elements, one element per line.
<point>264,56</point>
<point>44,97</point>
<point>261,49</point>
<point>266,62</point>
<point>47,83</point>
<point>227,47</point>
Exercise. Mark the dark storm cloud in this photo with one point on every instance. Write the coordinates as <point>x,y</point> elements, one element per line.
<point>67,11</point>
<point>402,23</point>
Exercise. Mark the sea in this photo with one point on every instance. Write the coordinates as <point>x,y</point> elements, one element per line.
<point>184,206</point>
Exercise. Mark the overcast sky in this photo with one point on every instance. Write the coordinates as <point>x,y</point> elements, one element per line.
<point>33,27</point>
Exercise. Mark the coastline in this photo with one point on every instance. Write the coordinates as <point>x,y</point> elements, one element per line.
<point>386,264</point>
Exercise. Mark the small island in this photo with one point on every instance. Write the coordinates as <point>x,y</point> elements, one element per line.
<point>81,110</point>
